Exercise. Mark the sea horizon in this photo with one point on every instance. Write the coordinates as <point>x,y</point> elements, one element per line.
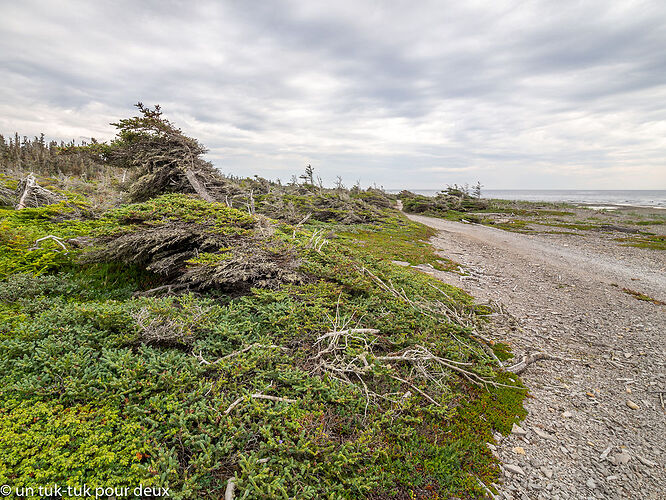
<point>629,197</point>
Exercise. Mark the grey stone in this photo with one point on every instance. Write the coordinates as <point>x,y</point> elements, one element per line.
<point>515,469</point>
<point>547,472</point>
<point>645,461</point>
<point>518,430</point>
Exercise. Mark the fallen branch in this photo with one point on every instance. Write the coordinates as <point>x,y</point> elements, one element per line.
<point>528,359</point>
<point>159,289</point>
<point>419,354</point>
<point>258,396</point>
<point>425,395</point>
<point>33,195</point>
<point>58,240</point>
<point>233,405</point>
<point>231,487</point>
<point>273,398</point>
<point>203,361</point>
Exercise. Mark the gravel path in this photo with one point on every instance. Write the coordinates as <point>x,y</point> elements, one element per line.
<point>596,426</point>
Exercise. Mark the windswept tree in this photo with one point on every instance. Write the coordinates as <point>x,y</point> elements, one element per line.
<point>160,157</point>
<point>476,190</point>
<point>308,175</point>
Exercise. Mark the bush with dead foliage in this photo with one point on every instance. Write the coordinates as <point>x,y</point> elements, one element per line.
<point>197,245</point>
<point>327,206</point>
<point>452,199</point>
<point>6,196</point>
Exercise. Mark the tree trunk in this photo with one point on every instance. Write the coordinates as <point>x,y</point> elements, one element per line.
<point>200,190</point>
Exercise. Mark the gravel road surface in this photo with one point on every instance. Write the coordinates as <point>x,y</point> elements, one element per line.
<point>596,426</point>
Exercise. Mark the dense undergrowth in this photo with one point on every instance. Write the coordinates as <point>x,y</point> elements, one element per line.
<point>183,343</point>
<point>91,392</point>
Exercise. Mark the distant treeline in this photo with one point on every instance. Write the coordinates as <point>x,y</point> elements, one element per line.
<point>46,158</point>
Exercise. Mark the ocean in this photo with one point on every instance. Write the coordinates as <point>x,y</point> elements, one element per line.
<point>636,198</point>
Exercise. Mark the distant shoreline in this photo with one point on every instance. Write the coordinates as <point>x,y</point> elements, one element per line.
<point>611,198</point>
<point>617,206</point>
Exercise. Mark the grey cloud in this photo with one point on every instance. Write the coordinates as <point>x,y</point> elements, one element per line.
<point>516,94</point>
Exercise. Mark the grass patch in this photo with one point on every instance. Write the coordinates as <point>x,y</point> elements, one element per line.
<point>643,297</point>
<point>652,242</point>
<point>400,240</point>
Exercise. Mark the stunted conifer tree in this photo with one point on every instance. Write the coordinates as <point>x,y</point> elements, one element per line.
<point>162,158</point>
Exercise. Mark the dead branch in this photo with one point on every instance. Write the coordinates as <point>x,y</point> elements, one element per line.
<point>258,396</point>
<point>51,237</point>
<point>422,393</point>
<point>231,487</point>
<point>233,405</point>
<point>336,353</point>
<point>528,359</point>
<point>196,185</point>
<point>167,289</point>
<point>273,398</point>
<point>317,240</point>
<point>32,195</point>
<point>303,220</point>
<point>418,354</point>
<point>256,345</point>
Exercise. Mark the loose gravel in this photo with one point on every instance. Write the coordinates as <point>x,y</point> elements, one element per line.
<point>596,426</point>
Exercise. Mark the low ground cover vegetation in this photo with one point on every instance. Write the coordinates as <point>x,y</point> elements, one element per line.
<point>541,217</point>
<point>266,344</point>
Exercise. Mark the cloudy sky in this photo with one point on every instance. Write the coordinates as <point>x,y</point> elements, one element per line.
<point>417,94</point>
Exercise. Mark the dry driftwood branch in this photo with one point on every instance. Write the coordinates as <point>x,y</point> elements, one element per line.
<point>33,195</point>
<point>422,393</point>
<point>273,398</point>
<point>528,359</point>
<point>317,240</point>
<point>165,288</point>
<point>58,240</point>
<point>332,356</point>
<point>258,396</point>
<point>303,220</point>
<point>418,354</point>
<point>203,361</point>
<point>196,185</point>
<point>233,405</point>
<point>231,487</point>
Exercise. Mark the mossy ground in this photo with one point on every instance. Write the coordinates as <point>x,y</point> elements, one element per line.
<point>85,398</point>
<point>398,239</point>
<point>652,242</point>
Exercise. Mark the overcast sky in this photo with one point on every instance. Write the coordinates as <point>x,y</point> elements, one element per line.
<point>412,94</point>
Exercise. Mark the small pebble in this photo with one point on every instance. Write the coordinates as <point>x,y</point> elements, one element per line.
<point>621,458</point>
<point>518,430</point>
<point>632,405</point>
